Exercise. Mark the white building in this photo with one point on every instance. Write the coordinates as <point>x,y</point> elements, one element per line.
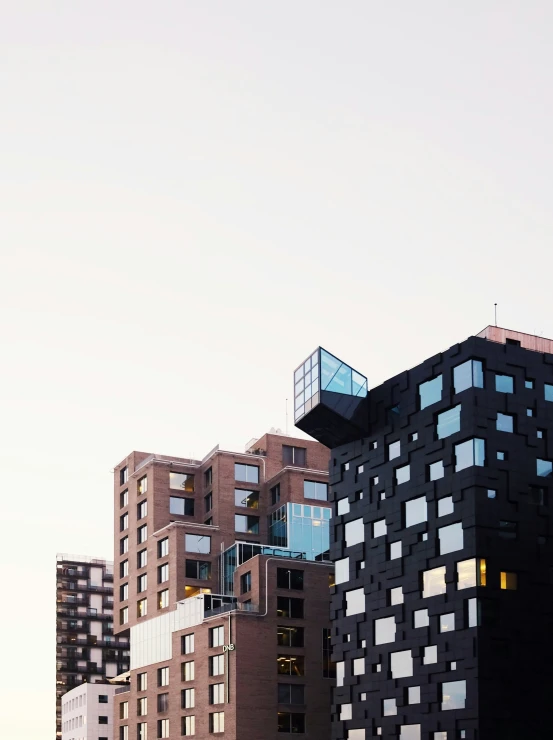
<point>87,712</point>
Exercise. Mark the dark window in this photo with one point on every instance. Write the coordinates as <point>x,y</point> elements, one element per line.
<point>102,720</point>
<point>290,665</point>
<point>216,636</point>
<point>289,608</point>
<point>504,383</point>
<point>181,506</point>
<point>199,569</point>
<point>246,583</point>
<point>163,702</point>
<point>142,510</point>
<point>246,524</point>
<point>123,476</point>
<point>508,530</point>
<point>208,477</point>
<point>208,501</point>
<point>290,578</point>
<point>275,494</point>
<point>124,569</point>
<point>163,676</point>
<point>291,693</point>
<point>142,558</point>
<point>290,636</point>
<point>329,668</point>
<point>103,698</point>
<point>124,498</point>
<point>294,456</point>
<point>291,722</point>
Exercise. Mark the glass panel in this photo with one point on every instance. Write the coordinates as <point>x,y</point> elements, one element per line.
<point>468,375</point>
<point>421,618</point>
<point>504,383</point>
<point>508,581</point>
<point>454,695</point>
<point>355,602</point>
<point>394,450</point>
<point>354,532</point>
<point>544,468</point>
<point>504,423</point>
<point>415,511</point>
<point>341,571</point>
<point>445,506</point>
<point>433,582</point>
<point>548,392</point>
<point>471,452</point>
<point>451,538</point>
<point>449,422</point>
<point>342,507</point>
<point>198,543</point>
<point>183,481</point>
<point>401,664</point>
<point>379,528</point>
<point>430,655</point>
<point>414,695</point>
<point>436,470</point>
<point>472,613</point>
<point>384,630</point>
<point>389,707</point>
<point>447,622</point>
<point>403,474</point>
<point>395,550</point>
<point>396,596</point>
<point>430,392</point>
<point>410,732</point>
<point>466,574</point>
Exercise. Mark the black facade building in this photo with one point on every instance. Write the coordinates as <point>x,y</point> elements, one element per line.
<point>442,538</point>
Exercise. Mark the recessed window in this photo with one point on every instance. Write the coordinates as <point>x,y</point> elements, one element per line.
<point>445,506</point>
<point>449,422</point>
<point>468,375</point>
<point>396,595</point>
<point>469,453</point>
<point>142,681</point>
<point>187,670</point>
<point>504,422</point>
<point>504,383</point>
<point>291,722</point>
<point>142,583</point>
<point>208,477</point>
<point>181,481</point>
<point>248,473</point>
<point>123,476</point>
<point>163,573</point>
<point>342,507</point>
<point>451,538</point>
<point>290,608</point>
<point>471,573</point>
<point>142,558</point>
<point>430,655</point>
<point>290,636</point>
<point>142,534</point>
<point>379,528</point>
<point>294,456</point>
<point>198,543</point>
<point>433,582</point>
<point>421,618</point>
<point>198,569</point>
<point>454,695</point>
<point>163,676</point>
<point>544,468</point>
<point>389,707</point>
<point>290,578</point>
<point>217,693</point>
<point>181,506</point>
<point>188,723</point>
<point>163,599</point>
<point>354,532</point>
<point>275,494</point>
<point>341,571</point>
<point>124,569</point>
<point>246,582</point>
<point>501,455</point>
<point>414,695</point>
<point>472,612</point>
<point>508,581</point>
<point>447,622</point>
<point>394,450</point>
<point>395,550</point>
<point>384,629</point>
<point>430,392</point>
<point>529,384</point>
<point>124,498</point>
<point>162,728</point>
<point>436,470</point>
<point>216,636</point>
<point>123,545</point>
<point>291,665</point>
<point>507,530</point>
<point>142,485</point>
<point>548,392</point>
<point>403,474</point>
<point>163,547</point>
<point>401,664</point>
<point>345,712</point>
<point>358,665</point>
<point>142,509</point>
<point>124,592</point>
<point>415,511</point>
<point>163,702</point>
<point>355,602</point>
<point>315,489</point>
<point>187,644</point>
<point>529,412</point>
<point>491,493</point>
<point>216,664</point>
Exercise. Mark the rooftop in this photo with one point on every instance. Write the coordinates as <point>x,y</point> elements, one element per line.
<point>517,338</point>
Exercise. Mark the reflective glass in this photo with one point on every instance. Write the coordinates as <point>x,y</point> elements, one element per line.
<point>246,499</point>
<point>396,596</point>
<point>468,375</point>
<point>544,468</point>
<point>379,528</point>
<point>358,666</point>
<point>430,655</point>
<point>384,630</point>
<point>337,377</point>
<point>341,571</point>
<point>355,602</point>
<point>454,695</point>
<point>420,618</point>
<point>472,609</point>
<point>183,481</point>
<point>342,507</point>
<point>445,506</point>
<point>309,531</point>
<point>430,392</point>
<point>401,664</point>
<point>389,707</point>
<point>414,695</point>
<point>410,732</point>
<point>436,470</point>
<point>354,532</point>
<point>449,422</point>
<point>416,511</point>
<point>340,672</point>
<point>248,473</point>
<point>504,383</point>
<point>451,538</point>
<point>504,423</point>
<point>548,392</point>
<point>198,543</point>
<point>433,582</point>
<point>467,575</point>
<point>394,450</point>
<point>469,453</point>
<point>358,734</point>
<point>447,622</point>
<point>395,550</point>
<point>403,474</point>
<point>315,489</point>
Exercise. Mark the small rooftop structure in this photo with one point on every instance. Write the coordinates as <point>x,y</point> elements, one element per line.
<point>517,338</point>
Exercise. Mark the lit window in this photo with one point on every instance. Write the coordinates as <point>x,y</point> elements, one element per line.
<point>384,630</point>
<point>379,528</point>
<point>504,422</point>
<point>395,550</point>
<point>469,453</point>
<point>396,596</point>
<point>430,392</point>
<point>471,573</point>
<point>141,608</point>
<point>430,655</point>
<point>447,622</point>
<point>449,422</point>
<point>436,470</point>
<point>420,618</point>
<point>182,482</point>
<point>403,474</point>
<point>544,468</point>
<point>142,485</point>
<point>433,582</point>
<point>508,581</point>
<point>504,383</point>
<point>389,707</point>
<point>354,532</point>
<point>415,511</point>
<point>345,712</point>
<point>401,664</point>
<point>445,506</point>
<point>341,571</point>
<point>163,599</point>
<point>468,375</point>
<point>394,450</point>
<point>355,602</point>
<point>454,695</point>
<point>451,538</point>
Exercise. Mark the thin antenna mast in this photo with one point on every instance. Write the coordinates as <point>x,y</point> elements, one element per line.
<point>495,311</point>
<point>286,416</point>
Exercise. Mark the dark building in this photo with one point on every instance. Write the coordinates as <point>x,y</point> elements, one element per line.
<point>442,540</point>
<point>86,650</point>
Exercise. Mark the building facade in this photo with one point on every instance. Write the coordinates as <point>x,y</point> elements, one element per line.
<point>222,583</point>
<point>87,712</point>
<point>442,540</point>
<point>86,649</point>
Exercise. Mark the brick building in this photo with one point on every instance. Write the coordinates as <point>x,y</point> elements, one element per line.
<point>222,584</point>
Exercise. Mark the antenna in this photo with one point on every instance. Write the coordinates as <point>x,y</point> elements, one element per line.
<point>495,311</point>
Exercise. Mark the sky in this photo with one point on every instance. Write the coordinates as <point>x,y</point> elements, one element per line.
<point>194,195</point>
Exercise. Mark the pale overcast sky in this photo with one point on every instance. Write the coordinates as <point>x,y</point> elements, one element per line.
<point>195,194</point>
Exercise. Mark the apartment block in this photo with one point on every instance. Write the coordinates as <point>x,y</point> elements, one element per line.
<point>442,539</point>
<point>222,584</point>
<point>86,649</point>
<point>87,712</point>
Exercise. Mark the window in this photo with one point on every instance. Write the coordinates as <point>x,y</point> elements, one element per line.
<point>421,618</point>
<point>414,695</point>
<point>123,476</point>
<point>401,664</point>
<point>354,532</point>
<point>508,530</point>
<point>358,666</point>
<point>290,636</point>
<point>246,499</point>
<point>142,731</point>
<point>217,693</point>
<point>294,456</point>
<point>504,422</point>
<point>504,383</point>
<point>124,733</point>
<point>544,468</point>
<point>395,550</point>
<point>329,669</point>
<point>142,558</point>
<point>124,710</point>
<point>142,608</point>
<point>430,392</point>
<point>163,702</point>
<point>124,615</point>
<point>290,665</point>
<point>341,571</point>
<point>142,509</point>
<point>187,671</point>
<point>124,592</point>
<point>291,693</point>
<point>394,450</point>
<point>451,538</point>
<point>124,498</point>
<point>163,573</point>
<point>389,707</point>
<point>246,582</point>
<point>445,506</point>
<point>124,569</point>
<point>471,452</point>
<point>216,665</point>
<point>123,545</point>
<point>217,722</point>
<point>208,477</point>
<point>508,581</point>
<point>449,422</point>
<point>162,728</point>
<point>379,528</point>
<point>290,578</point>
<point>216,636</point>
<point>181,481</point>
<point>181,506</point>
<point>454,695</point>
<point>189,723</point>
<point>395,595</point>
<point>289,608</point>
<point>548,391</point>
<point>529,412</point>
<point>471,573</point>
<point>355,602</point>
<point>430,655</point>
<point>492,493</point>
<point>468,375</point>
<point>314,489</point>
<point>403,474</point>
<point>123,522</point>
<point>142,681</point>
<point>447,622</point>
<point>142,583</point>
<point>415,511</point>
<point>384,630</point>
<point>436,470</point>
<point>163,676</point>
<point>187,644</point>
<point>142,707</point>
<point>198,543</point>
<point>433,582</point>
<point>142,534</point>
<point>291,723</point>
<point>103,698</point>
<point>275,494</point>
<point>163,599</point>
<point>248,473</point>
<point>199,569</point>
<point>208,502</point>
<point>342,507</point>
<point>246,524</point>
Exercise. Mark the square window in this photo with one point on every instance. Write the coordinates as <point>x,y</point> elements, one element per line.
<point>358,666</point>
<point>384,630</point>
<point>414,695</point>
<point>342,507</point>
<point>529,412</point>
<point>420,618</point>
<point>403,474</point>
<point>529,384</point>
<point>492,493</point>
<point>395,550</point>
<point>433,582</point>
<point>389,707</point>
<point>451,538</point>
<point>424,537</point>
<point>430,392</point>
<point>449,422</point>
<point>544,468</point>
<point>471,573</point>
<point>379,528</point>
<point>504,383</point>
<point>447,622</point>
<point>341,571</point>
<point>401,664</point>
<point>500,455</point>
<point>504,422</point>
<point>468,375</point>
<point>396,596</point>
<point>355,602</point>
<point>430,654</point>
<point>382,495</point>
<point>413,437</point>
<point>354,532</point>
<point>445,506</point>
<point>469,453</point>
<point>373,445</point>
<point>360,469</point>
<point>436,470</point>
<point>454,695</point>
<point>415,511</point>
<point>394,450</point>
